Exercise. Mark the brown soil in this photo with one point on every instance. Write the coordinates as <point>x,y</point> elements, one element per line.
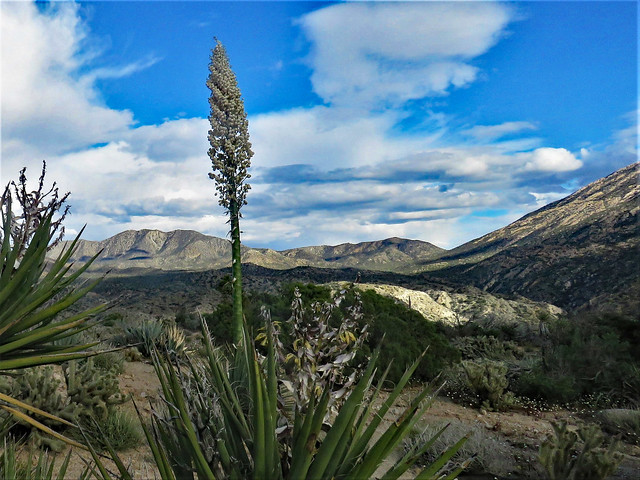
<point>522,430</point>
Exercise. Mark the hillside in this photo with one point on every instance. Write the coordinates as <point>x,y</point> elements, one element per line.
<point>133,252</point>
<point>581,252</point>
<point>393,254</point>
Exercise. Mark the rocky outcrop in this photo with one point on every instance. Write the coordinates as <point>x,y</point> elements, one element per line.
<point>471,305</point>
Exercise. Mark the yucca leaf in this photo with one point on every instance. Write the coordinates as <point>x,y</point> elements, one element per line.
<point>391,437</point>
<point>343,421</point>
<point>429,472</point>
<point>35,360</point>
<point>159,455</point>
<point>54,309</point>
<point>63,468</point>
<point>412,456</point>
<point>41,426</point>
<point>30,408</point>
<point>304,448</point>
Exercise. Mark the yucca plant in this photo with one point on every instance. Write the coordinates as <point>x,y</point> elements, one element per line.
<point>33,294</point>
<point>30,469</point>
<point>239,438</point>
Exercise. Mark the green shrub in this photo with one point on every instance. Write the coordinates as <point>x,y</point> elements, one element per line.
<point>569,455</point>
<point>188,321</point>
<point>551,387</point>
<point>488,347</point>
<point>406,334</point>
<point>110,361</point>
<point>219,322</point>
<point>119,429</point>
<point>596,352</point>
<point>111,319</point>
<point>622,422</point>
<point>487,380</point>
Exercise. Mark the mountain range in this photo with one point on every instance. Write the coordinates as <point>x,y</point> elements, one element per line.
<point>133,251</point>
<point>580,253</point>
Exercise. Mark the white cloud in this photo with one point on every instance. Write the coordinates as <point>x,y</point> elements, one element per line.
<point>388,183</point>
<point>551,160</point>
<point>367,54</point>
<point>326,137</point>
<point>171,140</point>
<point>545,198</point>
<point>493,132</point>
<point>46,103</point>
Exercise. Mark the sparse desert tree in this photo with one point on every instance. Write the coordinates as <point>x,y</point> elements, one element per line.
<point>230,155</point>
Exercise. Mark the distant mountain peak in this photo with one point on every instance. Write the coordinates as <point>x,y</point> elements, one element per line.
<point>191,250</point>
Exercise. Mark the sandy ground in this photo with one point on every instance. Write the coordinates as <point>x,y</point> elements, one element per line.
<point>523,430</point>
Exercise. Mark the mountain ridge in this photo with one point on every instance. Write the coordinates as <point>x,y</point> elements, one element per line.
<point>580,252</point>
<point>191,250</point>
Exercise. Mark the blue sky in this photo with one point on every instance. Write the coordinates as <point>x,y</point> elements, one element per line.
<point>439,121</point>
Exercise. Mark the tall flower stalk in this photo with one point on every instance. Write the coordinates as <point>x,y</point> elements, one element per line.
<point>230,155</point>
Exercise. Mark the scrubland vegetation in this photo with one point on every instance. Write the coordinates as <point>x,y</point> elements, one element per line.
<point>306,383</point>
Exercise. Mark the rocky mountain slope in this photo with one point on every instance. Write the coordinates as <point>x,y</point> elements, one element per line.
<point>581,252</point>
<point>135,251</point>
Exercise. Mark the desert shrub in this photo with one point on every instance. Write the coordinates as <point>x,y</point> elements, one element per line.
<point>501,331</point>
<point>579,455</point>
<point>219,322</point>
<point>553,388</point>
<point>120,430</point>
<point>622,422</point>
<point>406,334</point>
<point>591,355</point>
<point>113,318</point>
<point>487,382</point>
<point>188,321</point>
<point>132,354</point>
<point>488,347</point>
<point>489,453</point>
<point>110,361</point>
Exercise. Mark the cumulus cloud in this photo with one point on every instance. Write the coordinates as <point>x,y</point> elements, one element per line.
<point>551,160</point>
<point>376,54</point>
<point>337,172</point>
<point>325,137</point>
<point>120,175</point>
<point>47,104</point>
